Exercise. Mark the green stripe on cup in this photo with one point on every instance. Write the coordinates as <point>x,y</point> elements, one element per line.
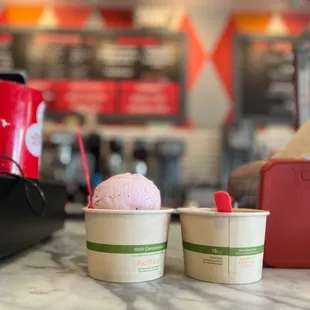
<point>246,251</point>
<point>205,249</point>
<point>126,249</point>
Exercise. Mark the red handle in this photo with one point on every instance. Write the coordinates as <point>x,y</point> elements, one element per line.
<point>222,201</point>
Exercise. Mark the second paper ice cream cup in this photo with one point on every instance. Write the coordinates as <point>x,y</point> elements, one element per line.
<point>223,247</point>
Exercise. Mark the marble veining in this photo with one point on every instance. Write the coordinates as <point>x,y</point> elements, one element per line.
<point>53,276</point>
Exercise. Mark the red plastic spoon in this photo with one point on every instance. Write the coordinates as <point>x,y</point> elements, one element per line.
<point>85,166</point>
<point>222,201</point>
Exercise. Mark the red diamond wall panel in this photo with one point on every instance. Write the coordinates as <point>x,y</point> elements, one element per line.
<point>113,18</point>
<point>196,54</point>
<point>71,16</point>
<point>223,57</point>
<point>295,23</point>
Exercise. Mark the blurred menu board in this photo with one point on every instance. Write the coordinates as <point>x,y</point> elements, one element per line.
<point>264,71</point>
<point>121,75</point>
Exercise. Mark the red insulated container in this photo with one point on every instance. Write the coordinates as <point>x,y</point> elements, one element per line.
<point>21,121</point>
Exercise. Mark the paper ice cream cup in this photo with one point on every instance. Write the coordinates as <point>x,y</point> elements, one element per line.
<point>126,245</point>
<point>223,247</point>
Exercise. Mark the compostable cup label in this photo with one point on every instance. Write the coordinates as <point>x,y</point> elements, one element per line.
<point>137,259</point>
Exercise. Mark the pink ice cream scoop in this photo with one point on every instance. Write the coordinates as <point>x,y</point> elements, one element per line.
<point>127,192</point>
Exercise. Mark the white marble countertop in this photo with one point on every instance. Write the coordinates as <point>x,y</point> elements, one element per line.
<point>53,276</point>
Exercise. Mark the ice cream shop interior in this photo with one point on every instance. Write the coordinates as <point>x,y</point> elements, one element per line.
<point>154,154</point>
